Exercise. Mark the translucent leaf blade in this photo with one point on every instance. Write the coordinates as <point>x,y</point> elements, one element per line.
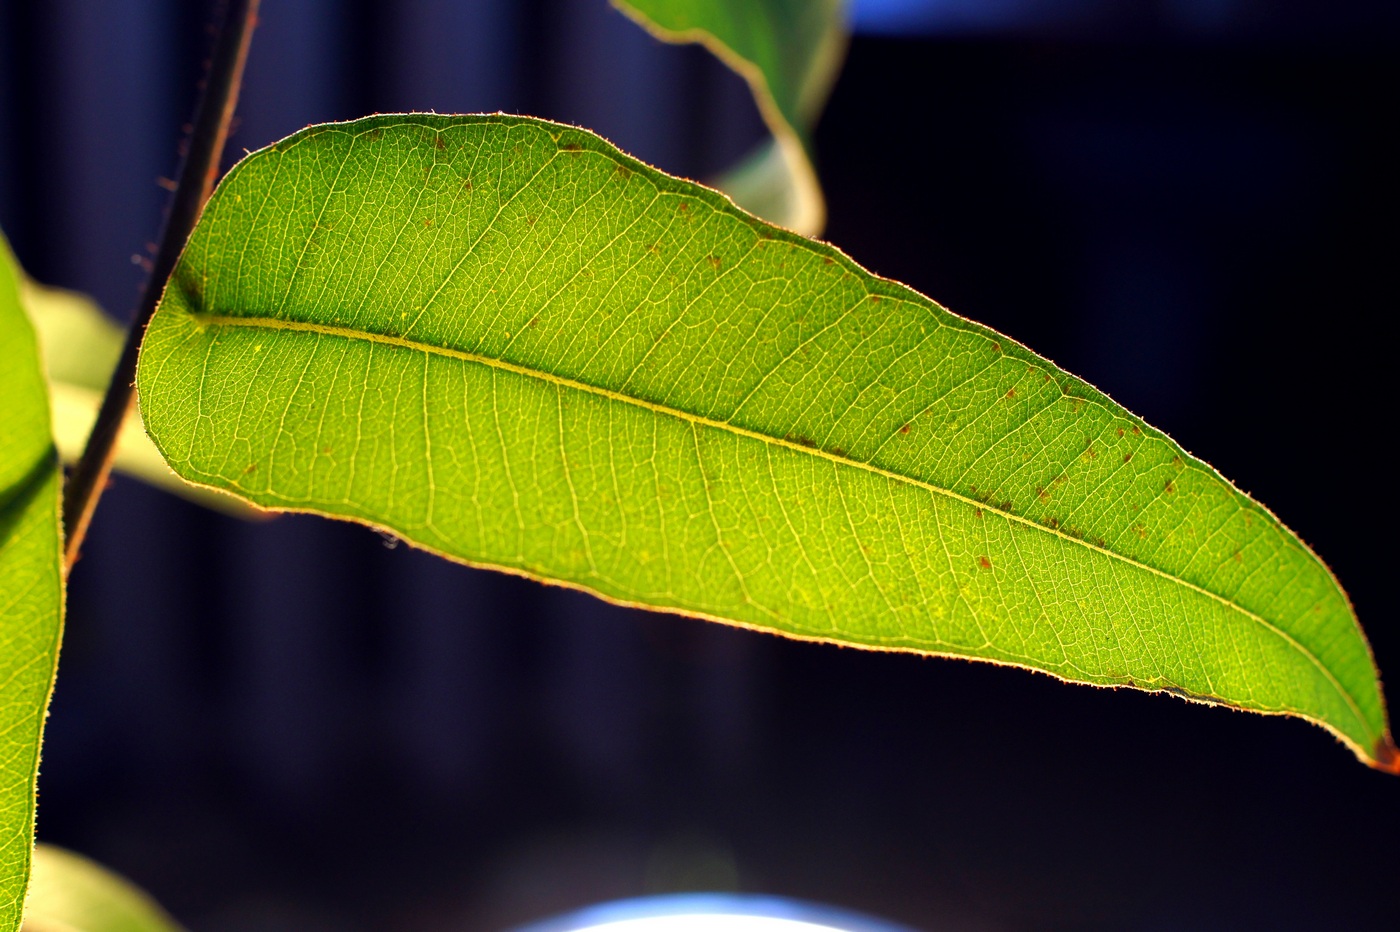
<point>510,343</point>
<point>31,584</point>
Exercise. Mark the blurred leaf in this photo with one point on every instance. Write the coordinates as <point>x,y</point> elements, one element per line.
<point>70,893</point>
<point>789,51</point>
<point>509,343</point>
<point>81,346</point>
<point>31,584</point>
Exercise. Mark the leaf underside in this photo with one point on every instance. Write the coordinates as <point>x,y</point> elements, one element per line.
<point>31,584</point>
<point>507,342</point>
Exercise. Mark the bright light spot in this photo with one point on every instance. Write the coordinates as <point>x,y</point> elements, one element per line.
<point>713,912</point>
<point>702,922</point>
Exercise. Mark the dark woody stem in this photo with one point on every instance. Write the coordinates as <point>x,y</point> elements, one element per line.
<point>197,174</point>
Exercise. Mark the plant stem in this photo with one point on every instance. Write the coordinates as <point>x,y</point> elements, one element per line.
<point>196,180</point>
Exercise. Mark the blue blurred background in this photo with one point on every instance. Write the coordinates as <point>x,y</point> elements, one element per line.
<point>293,725</point>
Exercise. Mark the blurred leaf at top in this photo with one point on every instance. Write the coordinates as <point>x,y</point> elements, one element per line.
<point>789,51</point>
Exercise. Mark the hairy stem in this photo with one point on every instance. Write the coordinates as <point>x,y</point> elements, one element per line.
<point>198,172</point>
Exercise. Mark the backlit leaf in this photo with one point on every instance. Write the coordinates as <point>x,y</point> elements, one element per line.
<point>509,343</point>
<point>31,584</point>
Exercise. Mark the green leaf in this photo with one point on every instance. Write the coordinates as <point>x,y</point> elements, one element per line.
<point>31,584</point>
<point>80,347</point>
<point>70,893</point>
<point>789,52</point>
<point>506,341</point>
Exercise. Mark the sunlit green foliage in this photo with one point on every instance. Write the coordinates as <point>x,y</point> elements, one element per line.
<point>31,583</point>
<point>507,342</point>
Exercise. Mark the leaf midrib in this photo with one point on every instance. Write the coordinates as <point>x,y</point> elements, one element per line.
<point>266,323</point>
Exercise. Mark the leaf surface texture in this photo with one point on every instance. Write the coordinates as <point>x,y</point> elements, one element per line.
<point>31,584</point>
<point>508,342</point>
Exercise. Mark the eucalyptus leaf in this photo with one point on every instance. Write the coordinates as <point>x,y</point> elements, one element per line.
<point>31,584</point>
<point>508,342</point>
<point>80,347</point>
<point>70,893</point>
<point>789,52</point>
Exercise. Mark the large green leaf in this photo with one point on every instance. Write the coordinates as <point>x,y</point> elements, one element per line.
<point>70,893</point>
<point>80,347</point>
<point>789,52</point>
<point>508,342</point>
<point>31,584</point>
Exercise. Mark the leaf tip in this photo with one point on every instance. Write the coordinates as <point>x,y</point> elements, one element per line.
<point>1385,755</point>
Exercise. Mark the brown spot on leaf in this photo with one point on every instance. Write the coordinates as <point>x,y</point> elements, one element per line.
<point>904,429</point>
<point>466,184</point>
<point>622,171</point>
<point>977,512</point>
<point>1239,557</point>
<point>252,467</point>
<point>1120,431</point>
<point>1011,393</point>
<point>1137,430</point>
<point>827,260</point>
<point>875,298</point>
<point>571,147</point>
<point>714,262</point>
<point>996,347</point>
<point>439,142</point>
<point>1170,487</point>
<point>984,563</point>
<point>1053,523</point>
<point>1041,494</point>
<point>1127,457</point>
<point>1176,461</point>
<point>1141,531</point>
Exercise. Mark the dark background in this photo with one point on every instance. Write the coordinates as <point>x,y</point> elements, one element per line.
<point>292,725</point>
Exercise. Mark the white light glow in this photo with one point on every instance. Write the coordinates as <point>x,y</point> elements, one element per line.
<point>709,922</point>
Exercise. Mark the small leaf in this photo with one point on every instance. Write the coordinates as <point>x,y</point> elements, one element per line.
<point>80,347</point>
<point>70,893</point>
<point>506,341</point>
<point>31,584</point>
<point>789,52</point>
